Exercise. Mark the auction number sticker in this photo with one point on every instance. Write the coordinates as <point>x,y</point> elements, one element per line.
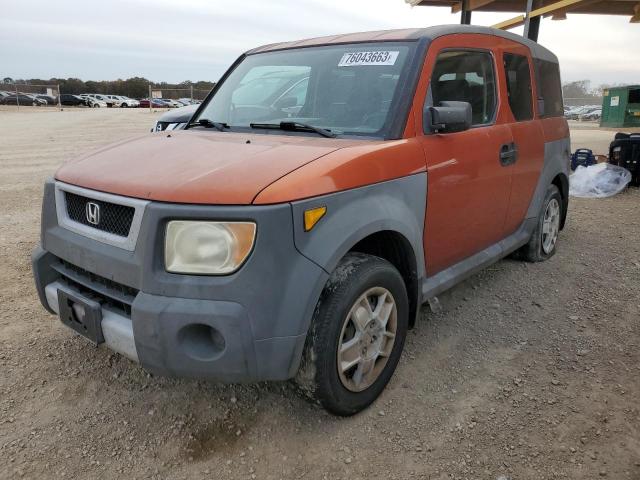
<point>351,59</point>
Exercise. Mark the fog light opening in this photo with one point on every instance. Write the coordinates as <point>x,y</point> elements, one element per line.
<point>201,342</point>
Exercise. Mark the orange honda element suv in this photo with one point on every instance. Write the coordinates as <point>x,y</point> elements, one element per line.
<point>322,192</point>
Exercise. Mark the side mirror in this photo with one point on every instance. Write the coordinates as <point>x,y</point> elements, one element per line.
<point>286,102</point>
<point>449,117</point>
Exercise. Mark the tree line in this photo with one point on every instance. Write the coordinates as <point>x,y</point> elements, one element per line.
<point>582,89</point>
<point>138,87</point>
<point>135,87</point>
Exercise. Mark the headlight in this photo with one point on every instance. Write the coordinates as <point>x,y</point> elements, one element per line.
<point>208,248</point>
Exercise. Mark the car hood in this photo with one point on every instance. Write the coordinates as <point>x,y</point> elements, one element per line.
<point>196,166</point>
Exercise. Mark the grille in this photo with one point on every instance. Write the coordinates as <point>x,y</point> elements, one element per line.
<point>100,289</point>
<point>115,219</point>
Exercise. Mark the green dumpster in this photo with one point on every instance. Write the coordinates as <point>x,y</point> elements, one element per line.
<point>621,107</point>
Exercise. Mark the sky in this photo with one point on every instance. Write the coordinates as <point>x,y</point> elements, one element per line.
<point>177,40</point>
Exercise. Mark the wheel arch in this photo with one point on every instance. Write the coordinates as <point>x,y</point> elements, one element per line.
<point>562,182</point>
<point>382,219</point>
<point>397,250</point>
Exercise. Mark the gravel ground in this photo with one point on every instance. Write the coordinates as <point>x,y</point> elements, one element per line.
<point>529,371</point>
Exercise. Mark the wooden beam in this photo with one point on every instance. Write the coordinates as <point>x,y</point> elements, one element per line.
<point>569,9</point>
<point>538,12</point>
<point>471,5</point>
<point>511,23</point>
<point>563,4</point>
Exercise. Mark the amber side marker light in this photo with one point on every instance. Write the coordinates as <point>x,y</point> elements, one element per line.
<point>312,216</point>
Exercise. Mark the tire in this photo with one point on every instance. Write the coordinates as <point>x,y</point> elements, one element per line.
<point>343,318</point>
<point>544,240</point>
<point>95,105</point>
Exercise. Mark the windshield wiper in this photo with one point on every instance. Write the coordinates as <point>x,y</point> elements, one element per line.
<point>295,126</point>
<point>205,122</point>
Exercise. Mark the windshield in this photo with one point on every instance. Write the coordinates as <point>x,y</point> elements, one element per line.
<point>347,89</point>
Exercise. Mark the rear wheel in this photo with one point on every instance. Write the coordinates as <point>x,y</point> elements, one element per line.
<point>357,335</point>
<point>543,242</point>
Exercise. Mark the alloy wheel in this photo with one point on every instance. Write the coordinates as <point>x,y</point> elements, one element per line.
<point>367,338</point>
<point>550,226</point>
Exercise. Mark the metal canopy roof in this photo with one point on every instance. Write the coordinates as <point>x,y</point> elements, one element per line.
<point>533,10</point>
<point>597,7</point>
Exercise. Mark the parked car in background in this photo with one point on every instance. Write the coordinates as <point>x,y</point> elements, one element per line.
<point>93,100</point>
<point>155,103</point>
<point>22,99</point>
<point>172,103</point>
<point>50,99</point>
<point>257,246</point>
<point>114,100</point>
<point>591,115</point>
<point>575,112</point>
<point>99,99</point>
<point>69,100</point>
<point>126,102</point>
<point>106,99</point>
<point>175,119</point>
<point>97,103</point>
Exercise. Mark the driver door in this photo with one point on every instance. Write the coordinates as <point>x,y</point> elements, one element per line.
<point>468,186</point>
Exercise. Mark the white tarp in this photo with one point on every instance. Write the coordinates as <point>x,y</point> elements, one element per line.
<point>598,181</point>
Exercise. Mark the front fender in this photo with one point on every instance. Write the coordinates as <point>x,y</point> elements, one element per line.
<point>396,205</point>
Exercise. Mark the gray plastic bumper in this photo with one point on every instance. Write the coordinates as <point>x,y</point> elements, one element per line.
<point>117,329</point>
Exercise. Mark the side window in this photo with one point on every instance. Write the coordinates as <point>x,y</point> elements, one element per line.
<point>549,88</point>
<point>516,69</point>
<point>466,76</point>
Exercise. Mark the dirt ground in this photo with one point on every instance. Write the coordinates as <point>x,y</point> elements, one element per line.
<point>529,371</point>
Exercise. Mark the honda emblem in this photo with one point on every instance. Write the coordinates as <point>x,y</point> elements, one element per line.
<point>92,211</point>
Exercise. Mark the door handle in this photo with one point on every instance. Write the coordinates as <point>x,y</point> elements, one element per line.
<point>508,154</point>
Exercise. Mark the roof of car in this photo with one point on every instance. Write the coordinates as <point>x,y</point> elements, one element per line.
<point>429,33</point>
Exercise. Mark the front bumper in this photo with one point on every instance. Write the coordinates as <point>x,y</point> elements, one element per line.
<point>248,326</point>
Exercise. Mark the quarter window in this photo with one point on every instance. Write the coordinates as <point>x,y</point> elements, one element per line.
<point>466,76</point>
<point>516,69</point>
<point>549,88</point>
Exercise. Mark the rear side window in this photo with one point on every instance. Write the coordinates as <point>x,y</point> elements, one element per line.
<point>516,69</point>
<point>549,88</point>
<point>466,76</point>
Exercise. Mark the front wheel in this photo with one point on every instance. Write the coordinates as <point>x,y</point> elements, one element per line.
<point>544,239</point>
<point>356,336</point>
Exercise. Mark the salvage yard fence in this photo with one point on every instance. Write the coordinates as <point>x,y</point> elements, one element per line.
<point>167,93</point>
<point>30,95</point>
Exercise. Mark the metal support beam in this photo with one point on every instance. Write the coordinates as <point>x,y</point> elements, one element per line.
<point>465,15</point>
<point>534,29</point>
<point>531,24</point>
<point>527,18</point>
